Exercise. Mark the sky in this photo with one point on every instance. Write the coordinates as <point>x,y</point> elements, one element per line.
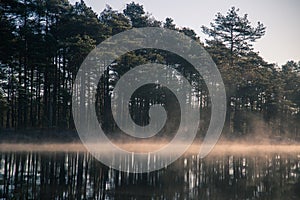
<point>280,44</point>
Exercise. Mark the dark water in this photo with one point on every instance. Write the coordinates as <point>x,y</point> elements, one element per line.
<point>78,176</point>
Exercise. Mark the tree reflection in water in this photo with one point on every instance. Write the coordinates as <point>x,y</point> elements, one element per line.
<point>37,175</point>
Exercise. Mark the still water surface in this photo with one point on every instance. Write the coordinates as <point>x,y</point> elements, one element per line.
<point>77,175</point>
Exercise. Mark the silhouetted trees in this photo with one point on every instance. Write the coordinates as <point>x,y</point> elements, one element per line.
<point>43,43</point>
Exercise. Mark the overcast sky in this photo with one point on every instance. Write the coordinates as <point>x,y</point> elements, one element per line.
<point>281,17</point>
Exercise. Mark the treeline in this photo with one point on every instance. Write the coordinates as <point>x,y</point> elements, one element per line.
<point>43,43</point>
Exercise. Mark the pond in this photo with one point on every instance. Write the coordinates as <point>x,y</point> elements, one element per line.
<point>77,175</point>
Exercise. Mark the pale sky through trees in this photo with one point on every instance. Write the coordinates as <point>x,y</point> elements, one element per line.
<point>280,43</point>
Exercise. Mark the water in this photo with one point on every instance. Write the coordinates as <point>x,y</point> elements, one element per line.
<point>77,175</point>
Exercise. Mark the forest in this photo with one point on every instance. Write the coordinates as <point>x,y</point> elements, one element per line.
<point>44,42</point>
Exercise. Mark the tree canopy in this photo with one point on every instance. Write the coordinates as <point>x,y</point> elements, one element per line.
<point>43,44</point>
<point>235,32</point>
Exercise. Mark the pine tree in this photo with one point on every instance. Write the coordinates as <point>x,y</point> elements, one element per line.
<point>235,32</point>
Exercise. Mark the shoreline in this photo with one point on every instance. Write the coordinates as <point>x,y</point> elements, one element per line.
<point>219,149</point>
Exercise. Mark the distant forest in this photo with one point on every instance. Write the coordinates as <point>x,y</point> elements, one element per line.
<point>44,42</point>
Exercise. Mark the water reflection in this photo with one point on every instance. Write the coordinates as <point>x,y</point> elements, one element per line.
<point>59,175</point>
